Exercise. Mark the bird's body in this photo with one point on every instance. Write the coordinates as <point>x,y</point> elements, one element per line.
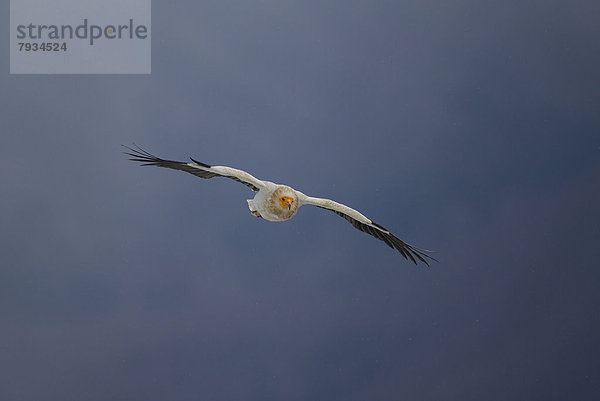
<point>275,202</point>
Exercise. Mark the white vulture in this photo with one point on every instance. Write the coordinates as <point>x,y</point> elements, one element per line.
<point>276,202</point>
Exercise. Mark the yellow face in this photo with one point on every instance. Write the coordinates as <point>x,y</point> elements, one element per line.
<point>286,201</point>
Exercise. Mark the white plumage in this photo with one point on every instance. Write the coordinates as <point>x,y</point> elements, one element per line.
<point>276,202</point>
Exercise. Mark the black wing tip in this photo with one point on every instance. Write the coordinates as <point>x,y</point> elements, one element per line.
<point>140,155</point>
<point>406,250</point>
<point>420,254</point>
<point>383,234</point>
<point>143,156</point>
<point>137,149</point>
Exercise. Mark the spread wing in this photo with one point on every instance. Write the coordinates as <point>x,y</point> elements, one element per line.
<point>366,225</point>
<point>196,168</point>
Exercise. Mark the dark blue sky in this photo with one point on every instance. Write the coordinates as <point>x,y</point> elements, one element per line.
<point>470,128</point>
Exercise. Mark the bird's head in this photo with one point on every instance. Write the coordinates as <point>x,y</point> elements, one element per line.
<point>286,202</point>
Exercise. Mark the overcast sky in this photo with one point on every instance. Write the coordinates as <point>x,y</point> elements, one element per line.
<point>470,128</point>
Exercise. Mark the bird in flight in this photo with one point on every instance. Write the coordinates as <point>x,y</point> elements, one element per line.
<point>276,202</point>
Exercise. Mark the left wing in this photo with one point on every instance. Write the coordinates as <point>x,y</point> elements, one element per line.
<point>366,225</point>
<point>196,168</point>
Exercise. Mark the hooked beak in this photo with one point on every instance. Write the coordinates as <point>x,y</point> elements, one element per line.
<point>289,205</point>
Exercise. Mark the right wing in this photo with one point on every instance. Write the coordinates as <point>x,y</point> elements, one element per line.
<point>366,225</point>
